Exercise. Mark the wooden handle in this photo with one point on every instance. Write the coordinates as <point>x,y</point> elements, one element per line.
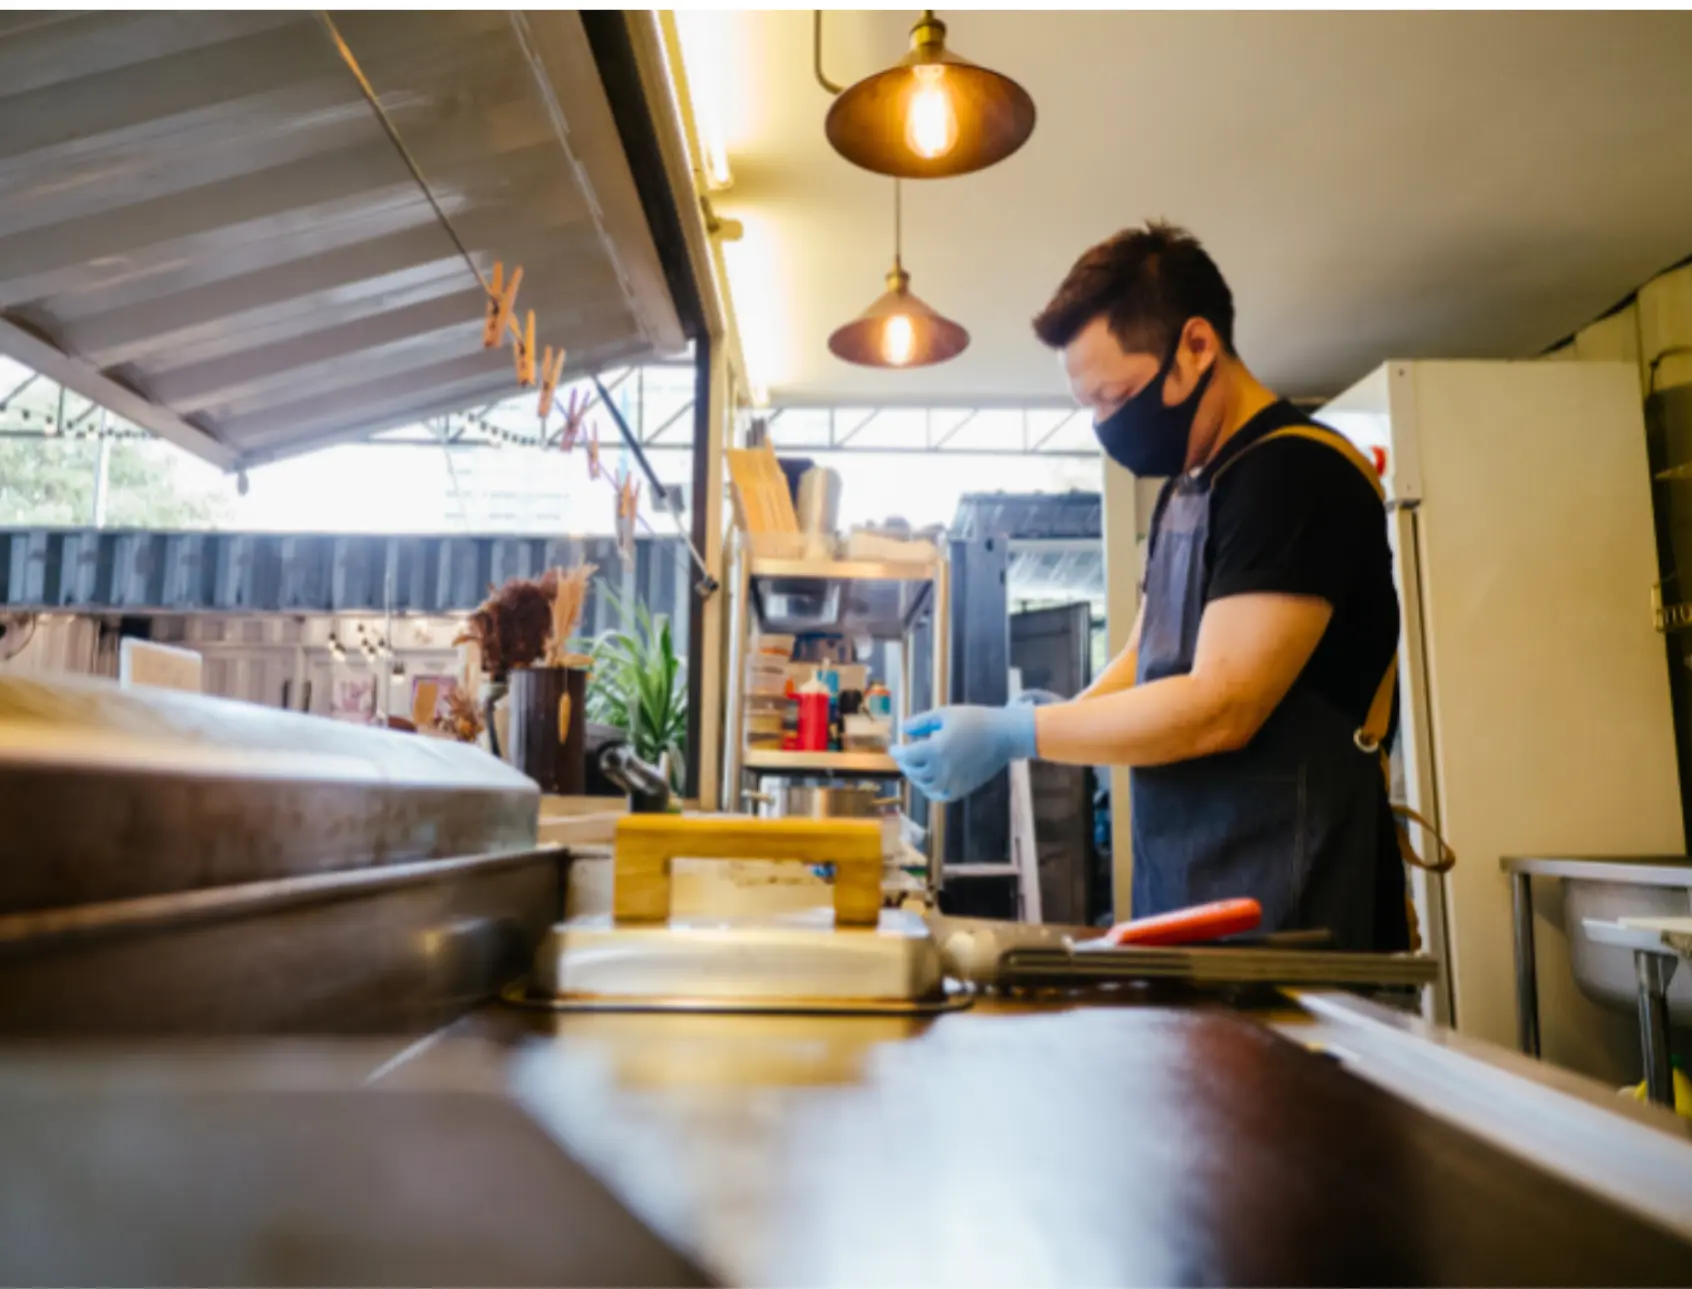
<point>646,845</point>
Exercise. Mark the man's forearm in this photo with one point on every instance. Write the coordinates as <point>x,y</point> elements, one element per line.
<point>1117,675</point>
<point>1173,719</point>
<point>1250,650</point>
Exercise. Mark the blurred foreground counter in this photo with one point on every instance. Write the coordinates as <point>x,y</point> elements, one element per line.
<point>1062,1144</point>
<point>247,971</point>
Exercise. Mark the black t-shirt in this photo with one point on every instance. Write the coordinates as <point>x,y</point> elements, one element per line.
<point>1297,517</point>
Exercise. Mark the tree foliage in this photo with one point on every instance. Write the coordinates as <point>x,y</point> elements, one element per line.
<point>50,483</point>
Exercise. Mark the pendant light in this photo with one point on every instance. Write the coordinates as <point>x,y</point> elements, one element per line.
<point>898,330</point>
<point>930,115</point>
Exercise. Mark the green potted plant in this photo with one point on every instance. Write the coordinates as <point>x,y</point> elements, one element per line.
<point>639,685</point>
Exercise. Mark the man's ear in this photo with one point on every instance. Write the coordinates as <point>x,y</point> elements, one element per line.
<point>1200,340</point>
<point>1200,350</point>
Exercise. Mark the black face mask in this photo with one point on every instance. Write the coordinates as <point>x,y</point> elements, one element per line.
<point>1146,435</point>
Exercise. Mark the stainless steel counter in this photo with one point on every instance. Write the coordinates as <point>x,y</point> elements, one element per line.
<point>1638,870</point>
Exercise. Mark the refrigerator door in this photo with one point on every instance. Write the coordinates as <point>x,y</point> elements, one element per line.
<point>1413,780</point>
<point>1378,415</point>
<point>1549,729</point>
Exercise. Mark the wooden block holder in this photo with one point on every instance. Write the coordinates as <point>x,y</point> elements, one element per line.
<point>647,845</point>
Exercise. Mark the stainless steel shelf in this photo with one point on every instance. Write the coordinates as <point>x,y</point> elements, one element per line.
<point>886,600</point>
<point>844,570</point>
<point>864,763</point>
<point>853,597</point>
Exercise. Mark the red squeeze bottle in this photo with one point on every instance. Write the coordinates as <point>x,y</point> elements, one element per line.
<point>1188,926</point>
<point>813,716</point>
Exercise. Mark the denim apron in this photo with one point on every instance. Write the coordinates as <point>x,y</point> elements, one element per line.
<point>1295,819</point>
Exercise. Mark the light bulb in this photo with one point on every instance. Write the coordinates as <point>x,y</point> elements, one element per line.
<point>898,338</point>
<point>931,122</point>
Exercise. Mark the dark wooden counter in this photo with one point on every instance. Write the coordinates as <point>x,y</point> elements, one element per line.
<point>1080,1146</point>
<point>1088,1146</point>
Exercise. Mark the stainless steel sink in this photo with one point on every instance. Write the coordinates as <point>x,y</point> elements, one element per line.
<point>1605,973</point>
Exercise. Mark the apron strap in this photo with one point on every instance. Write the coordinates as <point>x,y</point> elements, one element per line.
<point>1447,857</point>
<point>1372,733</point>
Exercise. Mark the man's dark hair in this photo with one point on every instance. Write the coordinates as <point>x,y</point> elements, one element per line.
<point>1147,282</point>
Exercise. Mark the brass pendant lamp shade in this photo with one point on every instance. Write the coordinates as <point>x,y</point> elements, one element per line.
<point>898,329</point>
<point>930,115</point>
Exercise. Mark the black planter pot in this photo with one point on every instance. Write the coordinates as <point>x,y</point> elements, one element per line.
<point>548,708</point>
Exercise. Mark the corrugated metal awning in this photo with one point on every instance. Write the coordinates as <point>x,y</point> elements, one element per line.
<point>205,227</point>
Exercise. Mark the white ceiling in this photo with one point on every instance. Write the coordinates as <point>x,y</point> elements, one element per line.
<point>1372,184</point>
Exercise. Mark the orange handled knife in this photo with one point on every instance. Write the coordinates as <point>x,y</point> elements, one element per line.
<point>1187,926</point>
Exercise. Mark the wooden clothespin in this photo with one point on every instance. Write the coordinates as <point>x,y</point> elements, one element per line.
<point>496,292</point>
<point>524,354</point>
<point>575,412</point>
<point>593,453</point>
<point>552,368</point>
<point>502,303</point>
<point>628,506</point>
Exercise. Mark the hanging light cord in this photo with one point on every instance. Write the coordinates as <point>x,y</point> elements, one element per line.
<point>816,53</point>
<point>898,228</point>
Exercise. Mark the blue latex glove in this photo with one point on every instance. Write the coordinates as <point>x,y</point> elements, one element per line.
<point>1037,698</point>
<point>957,749</point>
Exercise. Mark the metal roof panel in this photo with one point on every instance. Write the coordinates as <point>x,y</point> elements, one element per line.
<point>202,209</point>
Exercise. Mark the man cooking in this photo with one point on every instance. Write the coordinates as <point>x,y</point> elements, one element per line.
<point>1257,684</point>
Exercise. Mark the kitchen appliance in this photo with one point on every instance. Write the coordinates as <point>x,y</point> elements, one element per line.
<point>1534,693</point>
<point>853,956</point>
<point>180,864</point>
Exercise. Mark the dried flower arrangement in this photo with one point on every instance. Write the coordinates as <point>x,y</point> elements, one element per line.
<point>464,719</point>
<point>529,620</point>
<point>569,595</point>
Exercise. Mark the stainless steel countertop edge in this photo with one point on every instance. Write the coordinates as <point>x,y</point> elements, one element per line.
<point>23,932</point>
<point>1644,870</point>
<point>1633,1155</point>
